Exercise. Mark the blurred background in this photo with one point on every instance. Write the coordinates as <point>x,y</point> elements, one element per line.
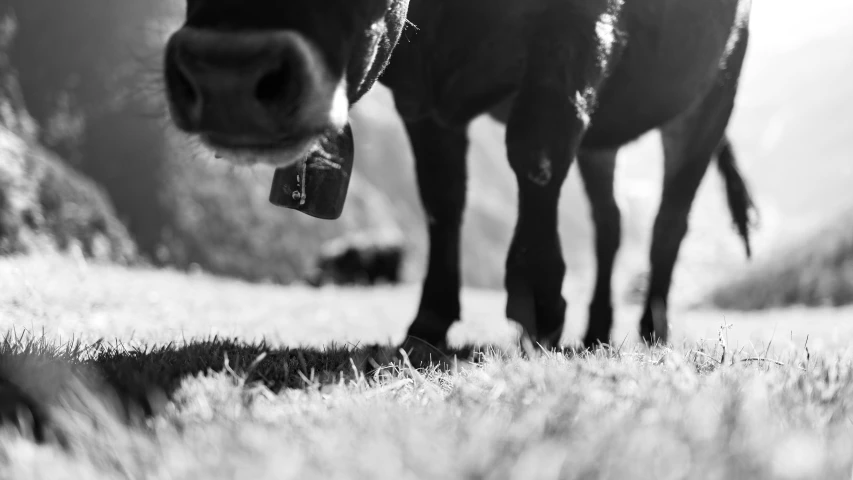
<point>89,162</point>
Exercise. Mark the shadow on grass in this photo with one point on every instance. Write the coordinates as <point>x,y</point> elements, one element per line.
<point>132,383</point>
<point>163,367</point>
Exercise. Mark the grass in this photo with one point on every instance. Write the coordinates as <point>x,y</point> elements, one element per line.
<point>697,411</point>
<point>124,367</point>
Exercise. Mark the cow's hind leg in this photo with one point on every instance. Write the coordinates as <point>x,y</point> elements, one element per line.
<point>689,143</point>
<point>441,172</point>
<point>597,170</point>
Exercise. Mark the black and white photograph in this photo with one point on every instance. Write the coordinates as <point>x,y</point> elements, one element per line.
<point>426,239</point>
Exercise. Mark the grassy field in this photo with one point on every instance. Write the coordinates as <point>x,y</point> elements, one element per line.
<point>158,374</point>
<point>282,401</point>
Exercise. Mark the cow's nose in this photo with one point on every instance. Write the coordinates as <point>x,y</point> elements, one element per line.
<point>236,85</point>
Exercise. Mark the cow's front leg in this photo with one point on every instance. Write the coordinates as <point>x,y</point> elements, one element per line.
<point>544,130</point>
<point>534,266</point>
<point>441,172</point>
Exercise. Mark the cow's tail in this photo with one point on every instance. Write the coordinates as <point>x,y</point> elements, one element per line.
<point>740,201</point>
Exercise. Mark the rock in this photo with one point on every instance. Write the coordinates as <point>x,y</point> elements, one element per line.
<point>45,204</point>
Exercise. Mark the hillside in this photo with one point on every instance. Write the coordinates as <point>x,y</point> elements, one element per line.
<point>815,270</point>
<point>44,205</point>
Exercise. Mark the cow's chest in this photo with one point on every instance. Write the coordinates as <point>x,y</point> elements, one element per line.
<point>459,60</point>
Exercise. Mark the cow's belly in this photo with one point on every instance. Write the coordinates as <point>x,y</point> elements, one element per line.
<point>673,51</point>
<point>452,71</point>
<point>666,68</point>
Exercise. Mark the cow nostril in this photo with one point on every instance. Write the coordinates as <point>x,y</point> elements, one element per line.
<point>184,87</point>
<point>275,84</point>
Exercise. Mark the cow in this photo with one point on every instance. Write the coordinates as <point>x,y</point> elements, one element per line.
<point>271,81</point>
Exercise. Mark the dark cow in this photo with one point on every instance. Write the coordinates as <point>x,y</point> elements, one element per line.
<point>364,258</point>
<point>271,80</point>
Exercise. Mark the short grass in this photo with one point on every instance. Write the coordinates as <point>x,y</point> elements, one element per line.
<point>687,412</point>
<point>138,405</point>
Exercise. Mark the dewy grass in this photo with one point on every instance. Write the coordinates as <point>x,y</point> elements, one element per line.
<point>238,411</point>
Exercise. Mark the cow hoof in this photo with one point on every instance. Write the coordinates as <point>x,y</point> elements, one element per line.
<point>420,354</point>
<point>521,308</point>
<point>654,326</point>
<point>600,324</point>
<point>593,341</point>
<point>652,338</point>
<point>425,342</point>
<point>430,329</point>
<point>541,326</point>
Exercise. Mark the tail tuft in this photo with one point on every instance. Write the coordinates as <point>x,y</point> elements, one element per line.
<point>740,201</point>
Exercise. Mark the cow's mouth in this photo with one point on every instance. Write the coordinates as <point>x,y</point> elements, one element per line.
<point>247,150</point>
